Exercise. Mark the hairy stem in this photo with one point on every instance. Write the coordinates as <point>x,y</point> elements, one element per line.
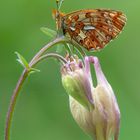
<point>37,58</point>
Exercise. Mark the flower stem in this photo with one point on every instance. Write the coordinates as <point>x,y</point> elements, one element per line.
<point>45,48</point>
<point>54,55</point>
<point>13,103</point>
<point>37,58</point>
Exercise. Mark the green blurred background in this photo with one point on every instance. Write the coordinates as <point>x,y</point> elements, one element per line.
<point>42,111</point>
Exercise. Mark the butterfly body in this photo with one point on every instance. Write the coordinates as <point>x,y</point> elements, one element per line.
<point>92,29</point>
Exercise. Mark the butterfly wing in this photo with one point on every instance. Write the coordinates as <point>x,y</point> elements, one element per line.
<point>93,29</point>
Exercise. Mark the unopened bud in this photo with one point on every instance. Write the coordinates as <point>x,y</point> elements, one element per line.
<point>95,109</point>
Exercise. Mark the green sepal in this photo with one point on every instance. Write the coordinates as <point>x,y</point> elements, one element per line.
<point>49,32</point>
<point>75,89</point>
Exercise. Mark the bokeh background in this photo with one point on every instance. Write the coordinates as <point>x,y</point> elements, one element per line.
<point>42,111</point>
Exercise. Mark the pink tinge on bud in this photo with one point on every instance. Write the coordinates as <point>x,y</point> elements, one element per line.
<point>102,120</point>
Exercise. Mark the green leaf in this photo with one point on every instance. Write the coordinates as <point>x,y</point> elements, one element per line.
<point>48,32</point>
<point>25,64</point>
<point>22,61</point>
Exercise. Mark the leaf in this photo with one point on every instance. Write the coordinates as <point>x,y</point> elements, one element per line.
<point>22,61</point>
<point>48,32</point>
<point>25,64</point>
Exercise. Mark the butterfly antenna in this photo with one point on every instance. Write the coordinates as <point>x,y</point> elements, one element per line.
<point>58,16</point>
<point>59,3</point>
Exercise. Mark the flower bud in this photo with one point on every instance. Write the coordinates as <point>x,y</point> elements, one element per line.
<point>77,83</point>
<point>95,109</point>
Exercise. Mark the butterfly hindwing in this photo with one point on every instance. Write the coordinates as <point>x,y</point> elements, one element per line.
<point>93,29</point>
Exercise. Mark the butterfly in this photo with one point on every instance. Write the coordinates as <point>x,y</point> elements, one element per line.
<point>91,29</point>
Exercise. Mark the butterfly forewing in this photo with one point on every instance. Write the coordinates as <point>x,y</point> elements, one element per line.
<point>93,29</point>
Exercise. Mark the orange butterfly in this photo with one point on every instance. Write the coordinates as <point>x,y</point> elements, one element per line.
<point>92,29</point>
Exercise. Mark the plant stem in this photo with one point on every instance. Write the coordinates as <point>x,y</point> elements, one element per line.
<point>54,55</point>
<point>21,80</point>
<point>13,103</point>
<point>45,48</point>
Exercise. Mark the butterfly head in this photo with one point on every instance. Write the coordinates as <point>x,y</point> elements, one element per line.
<point>57,16</point>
